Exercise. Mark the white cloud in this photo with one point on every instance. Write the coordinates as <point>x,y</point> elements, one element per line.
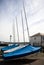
<point>10,9</point>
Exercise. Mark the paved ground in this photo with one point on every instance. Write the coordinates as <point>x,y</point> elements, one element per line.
<point>23,62</point>
<point>36,59</point>
<point>38,62</point>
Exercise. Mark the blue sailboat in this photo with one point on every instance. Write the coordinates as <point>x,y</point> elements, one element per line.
<point>24,51</point>
<point>9,47</point>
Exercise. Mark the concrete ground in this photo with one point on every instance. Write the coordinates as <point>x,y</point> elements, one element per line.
<point>36,59</point>
<point>24,62</point>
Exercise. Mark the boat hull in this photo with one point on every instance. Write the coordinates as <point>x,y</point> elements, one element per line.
<point>28,50</point>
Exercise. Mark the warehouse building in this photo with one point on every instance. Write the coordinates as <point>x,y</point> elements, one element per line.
<point>37,39</point>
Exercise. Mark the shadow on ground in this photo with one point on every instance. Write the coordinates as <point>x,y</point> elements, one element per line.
<point>18,62</point>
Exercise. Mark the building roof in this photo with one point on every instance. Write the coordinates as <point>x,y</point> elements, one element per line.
<point>38,34</point>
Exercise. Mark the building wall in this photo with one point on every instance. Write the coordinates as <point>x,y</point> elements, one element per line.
<point>36,40</point>
<point>42,40</point>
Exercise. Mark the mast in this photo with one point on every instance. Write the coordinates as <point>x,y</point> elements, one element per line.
<point>26,20</point>
<point>13,32</point>
<point>22,27</point>
<point>10,38</point>
<point>17,29</point>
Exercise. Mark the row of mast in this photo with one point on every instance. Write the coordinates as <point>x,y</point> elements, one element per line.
<point>22,26</point>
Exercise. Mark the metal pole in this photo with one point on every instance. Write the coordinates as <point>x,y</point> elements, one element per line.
<point>26,21</point>
<point>10,37</point>
<point>13,32</point>
<point>23,27</point>
<point>17,29</point>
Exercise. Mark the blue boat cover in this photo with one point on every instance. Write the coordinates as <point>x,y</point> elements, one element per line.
<point>9,47</point>
<point>22,52</point>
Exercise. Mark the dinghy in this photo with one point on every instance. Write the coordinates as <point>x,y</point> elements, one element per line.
<point>9,47</point>
<point>14,48</point>
<point>27,50</point>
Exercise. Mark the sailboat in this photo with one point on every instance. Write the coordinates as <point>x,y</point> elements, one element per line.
<point>9,47</point>
<point>21,51</point>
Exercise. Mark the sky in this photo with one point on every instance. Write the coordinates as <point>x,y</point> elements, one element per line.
<point>10,9</point>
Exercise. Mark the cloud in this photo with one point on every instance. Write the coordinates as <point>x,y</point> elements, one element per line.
<point>38,22</point>
<point>9,9</point>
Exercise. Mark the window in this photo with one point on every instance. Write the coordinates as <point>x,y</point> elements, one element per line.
<point>43,37</point>
<point>34,37</point>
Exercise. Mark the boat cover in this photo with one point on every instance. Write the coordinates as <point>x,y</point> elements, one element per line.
<point>21,52</point>
<point>9,47</point>
<point>15,48</point>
